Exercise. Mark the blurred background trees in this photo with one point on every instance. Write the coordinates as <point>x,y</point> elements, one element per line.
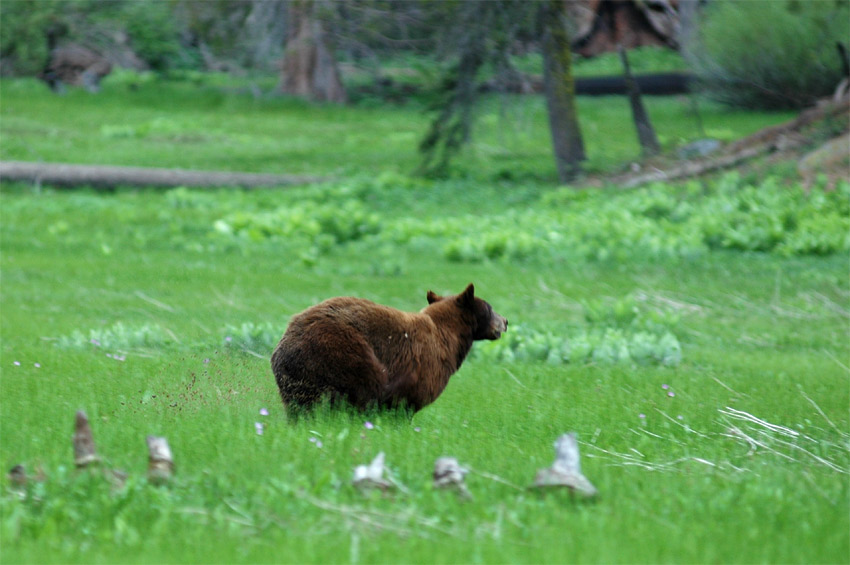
<point>447,53</point>
<point>746,55</point>
<point>749,55</point>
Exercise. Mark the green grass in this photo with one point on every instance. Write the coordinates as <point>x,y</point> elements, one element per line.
<point>158,282</point>
<point>200,125</point>
<point>760,333</point>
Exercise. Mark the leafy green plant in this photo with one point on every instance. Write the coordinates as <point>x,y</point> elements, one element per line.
<point>616,332</point>
<point>257,338</point>
<point>321,225</point>
<point>118,337</point>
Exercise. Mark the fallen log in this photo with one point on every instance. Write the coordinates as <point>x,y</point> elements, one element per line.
<point>779,138</point>
<point>99,176</point>
<point>656,84</point>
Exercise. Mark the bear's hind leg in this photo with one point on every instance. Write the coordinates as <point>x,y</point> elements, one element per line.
<point>327,358</point>
<point>359,376</point>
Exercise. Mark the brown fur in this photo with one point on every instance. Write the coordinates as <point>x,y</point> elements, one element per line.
<point>371,355</point>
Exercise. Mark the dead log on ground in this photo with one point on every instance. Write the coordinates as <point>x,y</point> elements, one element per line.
<point>782,137</point>
<point>99,176</point>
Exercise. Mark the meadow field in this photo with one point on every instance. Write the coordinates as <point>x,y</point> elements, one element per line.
<point>694,336</point>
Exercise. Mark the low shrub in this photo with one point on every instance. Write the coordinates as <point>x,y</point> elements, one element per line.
<point>782,57</point>
<point>117,337</point>
<point>659,222</point>
<point>618,332</point>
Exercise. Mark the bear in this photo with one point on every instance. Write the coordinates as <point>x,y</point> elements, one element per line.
<point>373,356</point>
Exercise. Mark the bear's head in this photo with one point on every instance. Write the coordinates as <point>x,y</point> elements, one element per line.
<point>488,324</point>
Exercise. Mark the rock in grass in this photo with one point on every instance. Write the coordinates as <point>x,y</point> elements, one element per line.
<point>449,474</point>
<point>372,475</point>
<point>160,460</point>
<point>565,472</point>
<point>84,450</point>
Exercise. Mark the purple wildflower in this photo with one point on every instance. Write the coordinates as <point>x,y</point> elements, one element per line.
<point>259,427</point>
<point>37,365</point>
<point>417,429</point>
<point>16,363</point>
<point>313,440</point>
<point>680,417</point>
<point>369,425</point>
<point>642,416</point>
<point>665,387</point>
<point>228,339</point>
<point>319,443</point>
<point>95,342</point>
<point>264,412</point>
<point>671,394</point>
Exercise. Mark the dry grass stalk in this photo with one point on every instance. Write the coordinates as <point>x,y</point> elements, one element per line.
<point>758,433</point>
<point>380,520</point>
<point>160,460</point>
<point>84,450</point>
<point>17,478</point>
<point>566,470</point>
<point>372,475</point>
<point>448,474</point>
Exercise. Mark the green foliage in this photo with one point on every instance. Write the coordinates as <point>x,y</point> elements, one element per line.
<point>321,225</point>
<point>620,332</point>
<point>784,57</point>
<point>153,31</point>
<point>117,337</point>
<point>657,223</point>
<point>150,27</point>
<point>769,217</point>
<point>256,338</point>
<point>23,38</point>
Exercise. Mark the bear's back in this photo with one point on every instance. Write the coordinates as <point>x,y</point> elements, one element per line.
<point>387,330</point>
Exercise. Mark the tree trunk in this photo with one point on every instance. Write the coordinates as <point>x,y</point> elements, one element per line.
<point>309,68</point>
<point>559,87</point>
<point>646,133</point>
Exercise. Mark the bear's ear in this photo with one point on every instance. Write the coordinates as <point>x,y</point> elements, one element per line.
<point>432,298</point>
<point>467,297</point>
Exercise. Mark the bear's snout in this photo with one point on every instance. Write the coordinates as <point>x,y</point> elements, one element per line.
<point>498,325</point>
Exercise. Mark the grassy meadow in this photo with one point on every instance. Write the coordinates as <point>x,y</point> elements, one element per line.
<point>694,336</point>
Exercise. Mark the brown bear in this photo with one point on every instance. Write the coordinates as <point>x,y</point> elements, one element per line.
<point>369,355</point>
